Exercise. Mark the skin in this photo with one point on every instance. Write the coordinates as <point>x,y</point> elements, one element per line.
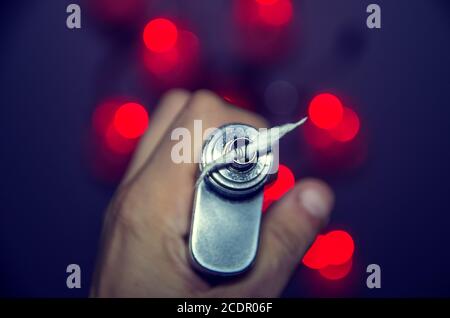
<point>144,246</point>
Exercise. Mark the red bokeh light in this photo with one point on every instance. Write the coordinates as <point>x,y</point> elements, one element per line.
<point>339,247</point>
<point>316,257</point>
<point>334,248</point>
<point>348,128</point>
<point>263,29</point>
<point>266,2</point>
<point>177,66</point>
<point>274,191</point>
<point>162,63</point>
<point>335,272</point>
<point>131,120</point>
<point>118,124</point>
<point>103,116</point>
<point>316,137</point>
<point>113,122</point>
<point>326,111</point>
<point>122,12</point>
<point>229,99</point>
<point>275,12</point>
<point>238,101</point>
<point>160,35</point>
<point>117,143</point>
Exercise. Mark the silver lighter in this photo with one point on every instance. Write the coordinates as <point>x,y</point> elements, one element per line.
<point>237,161</point>
<point>227,205</point>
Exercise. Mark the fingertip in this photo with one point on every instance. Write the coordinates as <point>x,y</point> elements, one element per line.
<point>171,103</point>
<point>316,198</point>
<point>203,101</point>
<point>175,96</point>
<point>296,219</point>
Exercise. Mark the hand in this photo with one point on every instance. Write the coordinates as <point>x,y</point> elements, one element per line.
<point>144,247</point>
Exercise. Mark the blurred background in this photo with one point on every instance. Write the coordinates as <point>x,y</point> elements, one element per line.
<point>74,103</point>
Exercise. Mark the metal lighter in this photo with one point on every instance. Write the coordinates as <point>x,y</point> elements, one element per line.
<point>227,206</point>
<point>237,161</point>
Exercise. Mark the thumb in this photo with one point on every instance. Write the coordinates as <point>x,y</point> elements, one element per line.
<point>288,229</point>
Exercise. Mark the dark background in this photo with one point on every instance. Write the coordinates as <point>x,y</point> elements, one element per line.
<point>395,204</point>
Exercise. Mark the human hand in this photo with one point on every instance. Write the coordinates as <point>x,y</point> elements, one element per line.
<point>144,246</point>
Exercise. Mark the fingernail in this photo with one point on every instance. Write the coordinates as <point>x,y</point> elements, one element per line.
<point>316,202</point>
